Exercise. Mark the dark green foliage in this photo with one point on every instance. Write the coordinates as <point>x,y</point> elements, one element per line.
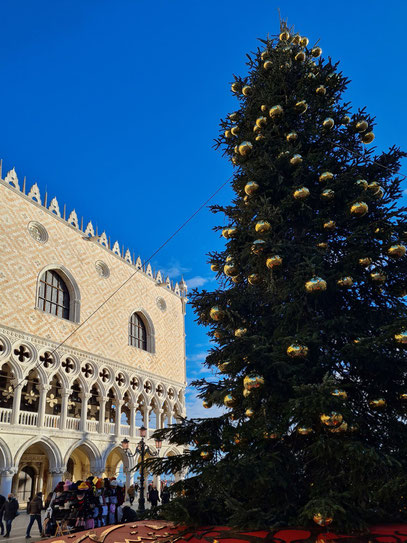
<point>357,475</point>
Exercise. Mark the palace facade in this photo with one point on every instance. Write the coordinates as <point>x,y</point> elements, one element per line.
<point>77,378</point>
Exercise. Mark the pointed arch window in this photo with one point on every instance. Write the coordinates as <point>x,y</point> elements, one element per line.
<point>138,332</point>
<point>53,295</point>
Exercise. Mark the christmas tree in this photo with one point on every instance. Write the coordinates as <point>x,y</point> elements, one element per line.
<point>308,322</point>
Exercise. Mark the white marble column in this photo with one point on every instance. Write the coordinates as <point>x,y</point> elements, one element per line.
<point>64,408</point>
<point>42,404</point>
<point>6,480</point>
<point>15,414</point>
<point>119,404</point>
<point>56,476</point>
<point>133,409</point>
<point>102,413</point>
<point>84,411</point>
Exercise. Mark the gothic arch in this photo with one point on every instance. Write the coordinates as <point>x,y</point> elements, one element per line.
<point>73,289</point>
<point>149,328</point>
<point>6,460</point>
<point>53,451</point>
<point>128,462</point>
<point>95,457</point>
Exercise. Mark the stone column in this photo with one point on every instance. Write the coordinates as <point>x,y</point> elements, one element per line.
<point>15,414</point>
<point>40,478</point>
<point>56,476</point>
<point>147,420</point>
<point>43,402</point>
<point>119,404</point>
<point>102,413</point>
<point>64,409</point>
<point>84,411</point>
<point>6,480</point>
<point>157,482</point>
<point>133,408</point>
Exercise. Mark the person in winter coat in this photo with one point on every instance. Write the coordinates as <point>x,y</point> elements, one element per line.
<point>153,497</point>
<point>10,509</point>
<point>165,495</point>
<point>131,492</point>
<point>34,509</point>
<point>129,515</point>
<point>2,500</point>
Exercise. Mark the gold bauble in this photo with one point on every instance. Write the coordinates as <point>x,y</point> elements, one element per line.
<point>247,90</point>
<point>378,277</point>
<point>245,148</point>
<point>264,108</point>
<point>237,278</point>
<point>322,245</point>
<point>275,111</point>
<point>321,90</point>
<point>316,284</point>
<point>234,130</point>
<point>378,193</point>
<point>246,393</point>
<point>292,136</point>
<point>255,128</point>
<point>274,262</point>
<point>338,393</point>
<point>206,404</point>
<point>397,251</point>
<point>333,419</point>
<point>218,334</point>
<point>380,402</point>
<point>262,227</point>
<point>225,233</point>
<point>206,455</point>
<point>249,413</point>
<point>261,121</point>
<point>362,183</point>
<point>240,332</point>
<point>327,194</point>
<point>328,123</point>
<point>341,428</point>
<point>227,133</point>
<point>268,65</point>
<point>284,36</point>
<point>326,176</point>
<point>229,258</point>
<point>322,520</point>
<point>297,351</point>
<point>304,41</point>
<point>345,282</point>
<point>316,52</point>
<point>296,40</point>
<point>300,57</point>
<point>368,137</point>
<point>236,149</point>
<point>229,400</point>
<point>234,160</point>
<point>223,367</point>
<point>301,106</point>
<point>234,116</point>
<point>235,87</point>
<point>258,246</point>
<point>260,137</point>
<point>232,231</point>
<point>330,225</point>
<point>362,126</point>
<point>230,270</point>
<point>295,160</point>
<point>254,279</point>
<point>365,261</point>
<point>301,193</point>
<point>216,313</point>
<point>265,54</point>
<point>403,396</point>
<point>251,187</point>
<point>252,381</point>
<point>215,267</point>
<point>303,431</point>
<point>401,338</point>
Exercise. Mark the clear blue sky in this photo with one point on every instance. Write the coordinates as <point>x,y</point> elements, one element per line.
<point>112,106</point>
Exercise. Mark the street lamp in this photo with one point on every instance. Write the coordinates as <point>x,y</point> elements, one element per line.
<point>141,449</point>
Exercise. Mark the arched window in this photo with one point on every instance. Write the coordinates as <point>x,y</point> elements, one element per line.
<point>53,295</point>
<point>138,332</point>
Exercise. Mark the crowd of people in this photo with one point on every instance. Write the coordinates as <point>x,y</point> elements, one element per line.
<point>78,506</point>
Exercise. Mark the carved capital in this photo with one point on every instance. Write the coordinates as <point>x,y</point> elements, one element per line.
<point>9,472</point>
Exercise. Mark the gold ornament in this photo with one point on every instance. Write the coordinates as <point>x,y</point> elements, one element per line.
<point>338,393</point>
<point>246,393</point>
<point>254,279</point>
<point>264,108</point>
<point>380,402</point>
<point>262,227</point>
<point>327,194</point>
<point>275,111</point>
<point>292,136</point>
<point>326,176</point>
<point>249,413</point>
<point>362,183</point>
<point>246,200</point>
<point>268,65</point>
<point>321,90</point>
<point>206,404</point>
<point>245,148</point>
<point>251,187</point>
<point>261,121</point>
<point>229,400</point>
<point>304,41</point>
<point>362,126</point>
<point>322,245</point>
<point>215,267</point>
<point>218,334</point>
<point>240,332</point>
<point>206,455</point>
<point>234,130</point>
<point>368,137</point>
<point>322,520</point>
<point>401,338</point>
<point>216,314</point>
<point>378,277</point>
<point>328,123</point>
<point>346,120</point>
<point>303,431</point>
<point>265,54</point>
<point>223,367</point>
<point>301,193</point>
<point>297,351</point>
<point>345,282</point>
<point>333,419</point>
<point>237,278</point>
<point>316,52</point>
<point>295,160</point>
<point>296,40</point>
<point>230,270</point>
<point>260,137</point>
<point>403,396</point>
<point>300,57</point>
<point>301,106</point>
<point>330,225</point>
<point>316,284</point>
<point>356,341</point>
<point>227,134</point>
<point>284,36</point>
<point>365,261</point>
<point>232,232</point>
<point>235,87</point>
<point>341,428</point>
<point>274,262</point>
<point>225,233</point>
<point>258,246</point>
<point>247,90</point>
<point>234,116</point>
<point>256,128</point>
<point>397,251</point>
<point>252,381</point>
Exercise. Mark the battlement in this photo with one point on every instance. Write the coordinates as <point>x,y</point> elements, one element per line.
<point>53,208</point>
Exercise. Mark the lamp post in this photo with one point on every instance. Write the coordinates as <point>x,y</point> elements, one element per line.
<point>141,449</point>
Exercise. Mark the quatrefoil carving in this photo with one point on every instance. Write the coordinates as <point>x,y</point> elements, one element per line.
<point>87,370</point>
<point>47,359</point>
<point>104,375</point>
<point>22,353</point>
<point>68,365</point>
